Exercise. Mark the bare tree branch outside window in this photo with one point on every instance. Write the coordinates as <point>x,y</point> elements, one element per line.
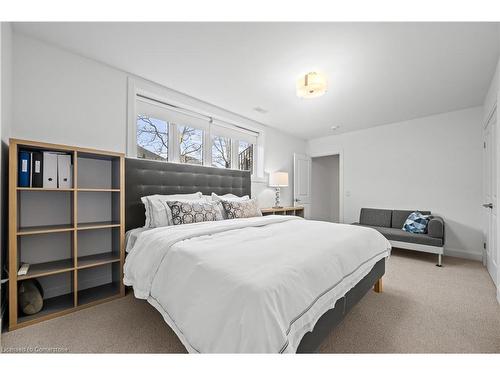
<point>221,152</point>
<point>152,138</point>
<point>190,145</point>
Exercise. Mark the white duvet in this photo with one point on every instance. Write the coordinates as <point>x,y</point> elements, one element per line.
<point>249,285</point>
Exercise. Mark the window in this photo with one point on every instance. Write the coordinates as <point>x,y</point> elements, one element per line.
<point>221,152</point>
<point>165,132</point>
<point>245,156</point>
<point>152,138</point>
<point>190,145</point>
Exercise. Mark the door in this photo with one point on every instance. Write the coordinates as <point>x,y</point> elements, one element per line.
<point>490,196</point>
<point>302,182</point>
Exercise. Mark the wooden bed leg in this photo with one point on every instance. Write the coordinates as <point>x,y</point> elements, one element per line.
<point>378,286</point>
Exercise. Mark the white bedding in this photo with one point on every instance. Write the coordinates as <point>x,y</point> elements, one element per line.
<point>249,285</point>
<point>131,237</point>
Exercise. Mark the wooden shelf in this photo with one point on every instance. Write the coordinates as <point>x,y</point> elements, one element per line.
<point>96,171</point>
<point>101,292</point>
<point>97,260</point>
<point>97,225</point>
<point>48,268</point>
<point>98,190</point>
<point>41,229</point>
<point>51,307</point>
<point>43,189</point>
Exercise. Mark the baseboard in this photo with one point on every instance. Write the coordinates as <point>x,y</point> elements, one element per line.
<point>463,254</point>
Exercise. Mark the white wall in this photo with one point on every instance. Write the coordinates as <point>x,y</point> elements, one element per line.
<point>61,97</point>
<point>325,188</point>
<point>431,163</point>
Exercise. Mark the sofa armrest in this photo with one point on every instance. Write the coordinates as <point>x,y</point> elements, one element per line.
<point>435,228</point>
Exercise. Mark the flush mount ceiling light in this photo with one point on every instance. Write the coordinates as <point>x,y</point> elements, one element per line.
<point>311,85</point>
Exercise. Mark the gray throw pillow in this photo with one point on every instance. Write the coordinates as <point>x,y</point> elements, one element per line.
<point>241,209</point>
<point>194,212</point>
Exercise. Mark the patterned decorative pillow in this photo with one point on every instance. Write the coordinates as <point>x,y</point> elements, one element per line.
<point>241,209</point>
<point>157,212</point>
<point>416,223</point>
<point>194,211</point>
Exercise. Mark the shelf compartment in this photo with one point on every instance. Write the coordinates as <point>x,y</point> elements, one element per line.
<point>98,171</point>
<point>96,260</point>
<point>48,268</point>
<point>98,206</point>
<point>98,225</point>
<point>99,282</point>
<point>58,290</point>
<point>51,307</point>
<point>99,293</point>
<point>39,211</point>
<point>41,229</point>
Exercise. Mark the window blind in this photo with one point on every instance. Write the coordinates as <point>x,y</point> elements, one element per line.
<point>225,129</point>
<point>155,109</point>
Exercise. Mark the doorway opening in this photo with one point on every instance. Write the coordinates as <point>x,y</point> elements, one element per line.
<point>325,189</point>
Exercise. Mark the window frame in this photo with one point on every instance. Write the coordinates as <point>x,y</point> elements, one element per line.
<point>162,94</point>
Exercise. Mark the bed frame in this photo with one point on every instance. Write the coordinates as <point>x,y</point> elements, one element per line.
<point>147,177</point>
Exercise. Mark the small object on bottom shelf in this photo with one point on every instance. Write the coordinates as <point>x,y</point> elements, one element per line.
<point>30,296</point>
<point>23,270</point>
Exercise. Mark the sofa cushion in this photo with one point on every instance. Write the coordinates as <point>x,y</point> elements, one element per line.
<point>416,223</point>
<point>375,217</point>
<point>399,217</point>
<point>395,234</point>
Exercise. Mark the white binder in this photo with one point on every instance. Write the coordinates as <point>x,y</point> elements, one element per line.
<point>64,171</point>
<point>49,170</point>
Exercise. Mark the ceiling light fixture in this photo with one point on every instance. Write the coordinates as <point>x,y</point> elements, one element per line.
<point>311,85</point>
<point>335,127</point>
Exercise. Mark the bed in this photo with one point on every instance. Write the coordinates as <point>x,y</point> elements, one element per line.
<point>272,284</point>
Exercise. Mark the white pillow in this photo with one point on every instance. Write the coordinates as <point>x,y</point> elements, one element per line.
<point>157,214</point>
<point>229,197</point>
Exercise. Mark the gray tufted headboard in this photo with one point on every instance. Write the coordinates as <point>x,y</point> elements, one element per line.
<point>147,177</point>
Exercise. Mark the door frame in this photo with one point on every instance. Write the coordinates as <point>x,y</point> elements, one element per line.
<point>340,153</point>
<point>486,121</point>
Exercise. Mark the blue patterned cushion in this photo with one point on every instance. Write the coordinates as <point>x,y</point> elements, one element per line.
<point>416,223</point>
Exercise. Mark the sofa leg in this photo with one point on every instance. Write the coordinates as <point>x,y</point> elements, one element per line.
<point>378,286</point>
<point>440,261</point>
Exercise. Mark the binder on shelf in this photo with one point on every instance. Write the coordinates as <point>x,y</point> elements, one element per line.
<point>37,169</point>
<point>49,170</point>
<point>24,169</point>
<point>64,171</point>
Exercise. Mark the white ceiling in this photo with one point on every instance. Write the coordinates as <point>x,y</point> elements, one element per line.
<point>378,73</point>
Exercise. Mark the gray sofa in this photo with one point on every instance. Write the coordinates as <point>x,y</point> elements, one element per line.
<point>390,224</point>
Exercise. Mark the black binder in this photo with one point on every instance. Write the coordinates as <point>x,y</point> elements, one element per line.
<point>37,169</point>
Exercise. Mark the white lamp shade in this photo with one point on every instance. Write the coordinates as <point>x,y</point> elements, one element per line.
<point>311,85</point>
<point>278,179</point>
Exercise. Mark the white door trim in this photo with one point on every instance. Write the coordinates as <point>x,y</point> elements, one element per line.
<point>491,169</point>
<point>306,204</point>
<point>340,153</point>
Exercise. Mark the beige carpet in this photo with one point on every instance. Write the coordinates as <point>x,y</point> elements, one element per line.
<point>423,309</point>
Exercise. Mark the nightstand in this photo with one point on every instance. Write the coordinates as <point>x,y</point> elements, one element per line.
<point>293,211</point>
